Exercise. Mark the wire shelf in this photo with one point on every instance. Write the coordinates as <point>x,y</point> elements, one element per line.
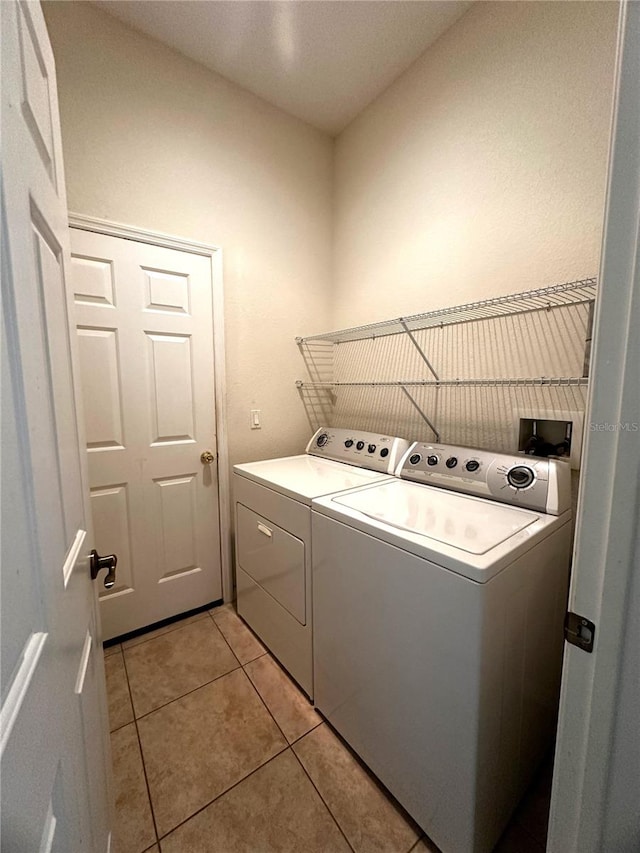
<point>542,381</point>
<point>541,299</point>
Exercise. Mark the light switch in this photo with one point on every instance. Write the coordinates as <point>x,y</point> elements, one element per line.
<point>255,419</point>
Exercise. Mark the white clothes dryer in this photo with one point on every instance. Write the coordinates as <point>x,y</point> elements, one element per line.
<point>438,607</point>
<point>273,533</point>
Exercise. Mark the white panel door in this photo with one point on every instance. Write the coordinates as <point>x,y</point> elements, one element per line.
<point>595,800</point>
<point>145,332</point>
<point>53,720</point>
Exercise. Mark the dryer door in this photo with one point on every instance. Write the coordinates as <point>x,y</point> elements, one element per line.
<point>274,558</point>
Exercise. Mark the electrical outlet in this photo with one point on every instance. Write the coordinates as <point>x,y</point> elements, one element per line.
<point>255,419</point>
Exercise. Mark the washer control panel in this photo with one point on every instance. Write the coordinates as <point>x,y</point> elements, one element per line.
<point>366,449</point>
<point>526,481</point>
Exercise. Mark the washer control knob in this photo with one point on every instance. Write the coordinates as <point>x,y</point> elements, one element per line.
<point>451,462</point>
<point>415,458</point>
<point>348,443</point>
<point>322,439</point>
<point>432,460</point>
<point>360,445</point>
<point>384,452</point>
<point>520,477</point>
<point>472,465</point>
<point>371,448</point>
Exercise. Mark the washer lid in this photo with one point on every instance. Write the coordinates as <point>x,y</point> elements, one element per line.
<point>470,524</point>
<point>306,477</point>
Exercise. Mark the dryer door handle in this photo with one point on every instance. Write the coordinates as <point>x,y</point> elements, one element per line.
<point>264,529</point>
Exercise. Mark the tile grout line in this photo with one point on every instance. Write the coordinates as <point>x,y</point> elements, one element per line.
<point>369,772</point>
<point>193,690</point>
<point>231,647</point>
<point>219,630</point>
<point>290,746</point>
<point>287,746</point>
<point>144,766</point>
<point>304,734</point>
<point>224,793</point>
<point>322,799</point>
<point>257,692</point>
<point>239,667</point>
<point>312,729</point>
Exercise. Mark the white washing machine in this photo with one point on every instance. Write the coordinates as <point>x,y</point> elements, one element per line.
<point>273,533</point>
<point>438,608</point>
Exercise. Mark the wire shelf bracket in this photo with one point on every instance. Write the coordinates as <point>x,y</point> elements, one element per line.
<point>421,413</point>
<point>403,323</point>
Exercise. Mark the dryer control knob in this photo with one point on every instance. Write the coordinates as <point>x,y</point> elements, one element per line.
<point>360,445</point>
<point>322,439</point>
<point>432,460</point>
<point>451,462</point>
<point>348,443</point>
<point>415,458</point>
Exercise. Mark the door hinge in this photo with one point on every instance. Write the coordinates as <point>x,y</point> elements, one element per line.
<point>579,631</point>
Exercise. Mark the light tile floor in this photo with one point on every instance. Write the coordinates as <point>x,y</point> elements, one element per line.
<point>215,750</point>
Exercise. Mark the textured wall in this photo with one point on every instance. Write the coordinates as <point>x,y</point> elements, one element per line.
<point>481,170</point>
<point>154,140</point>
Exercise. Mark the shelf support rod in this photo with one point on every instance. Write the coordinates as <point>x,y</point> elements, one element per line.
<point>422,354</point>
<point>421,413</point>
<point>588,337</point>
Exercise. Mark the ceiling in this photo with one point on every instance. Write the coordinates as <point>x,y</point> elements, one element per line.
<point>320,60</point>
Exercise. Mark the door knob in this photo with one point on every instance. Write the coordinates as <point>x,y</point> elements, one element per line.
<point>207,457</point>
<point>97,563</point>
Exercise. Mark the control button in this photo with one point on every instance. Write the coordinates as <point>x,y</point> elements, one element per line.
<point>451,462</point>
<point>348,442</point>
<point>432,460</point>
<point>322,439</point>
<point>472,465</point>
<point>384,452</point>
<point>415,458</point>
<point>520,477</point>
<point>371,448</point>
<point>360,445</point>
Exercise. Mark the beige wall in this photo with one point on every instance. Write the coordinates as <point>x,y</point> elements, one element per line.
<point>481,170</point>
<point>154,140</point>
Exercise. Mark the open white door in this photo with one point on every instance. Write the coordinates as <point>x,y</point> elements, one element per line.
<point>55,762</point>
<point>595,805</point>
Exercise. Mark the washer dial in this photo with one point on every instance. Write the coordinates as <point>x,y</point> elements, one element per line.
<point>520,476</point>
